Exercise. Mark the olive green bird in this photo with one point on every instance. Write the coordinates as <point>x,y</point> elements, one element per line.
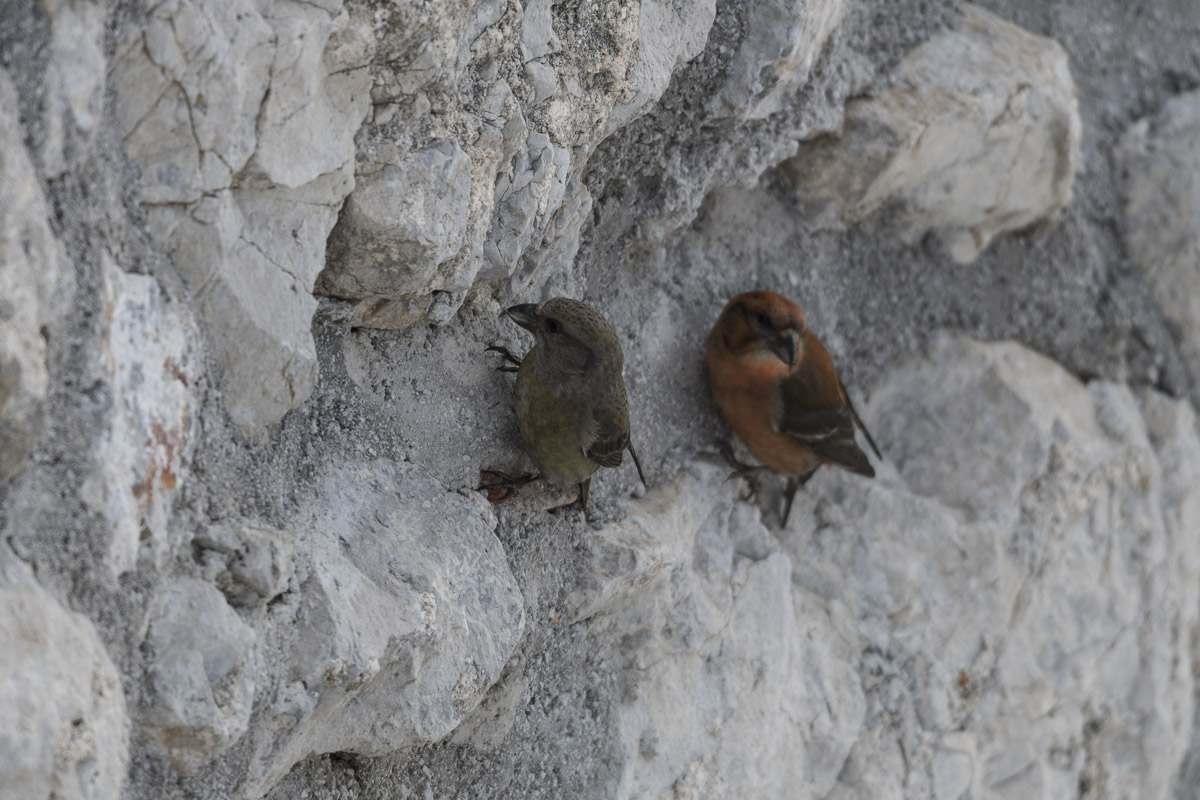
<point>572,411</point>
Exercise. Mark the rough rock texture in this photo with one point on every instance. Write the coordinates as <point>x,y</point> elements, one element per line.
<point>776,56</point>
<point>404,613</point>
<point>241,119</point>
<point>920,636</point>
<point>1075,549</point>
<point>482,122</point>
<point>29,274</point>
<point>1160,157</point>
<point>150,363</point>
<point>977,132</point>
<point>201,685</point>
<point>251,254</point>
<point>65,732</point>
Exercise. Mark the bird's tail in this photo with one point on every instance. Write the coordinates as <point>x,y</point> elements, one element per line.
<point>637,464</point>
<point>862,427</point>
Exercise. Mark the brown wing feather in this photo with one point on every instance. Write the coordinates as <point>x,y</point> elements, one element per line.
<point>829,433</point>
<point>612,437</point>
<point>818,414</point>
<point>858,421</point>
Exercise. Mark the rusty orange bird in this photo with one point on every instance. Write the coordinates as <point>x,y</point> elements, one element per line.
<point>777,387</point>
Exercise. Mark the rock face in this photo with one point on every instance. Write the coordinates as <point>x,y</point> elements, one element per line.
<point>406,613</point>
<point>201,683</point>
<point>483,121</point>
<point>1160,158</point>
<point>65,732</point>
<point>252,253</point>
<point>893,641</point>
<point>1079,531</point>
<point>241,118</point>
<point>688,582</point>
<point>151,365</point>
<point>976,133</point>
<point>775,59</point>
<point>29,273</point>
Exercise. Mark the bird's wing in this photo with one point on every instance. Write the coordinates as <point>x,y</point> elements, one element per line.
<point>858,421</point>
<point>821,420</point>
<point>612,437</point>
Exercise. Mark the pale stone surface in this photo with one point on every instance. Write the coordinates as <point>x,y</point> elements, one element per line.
<point>316,609</point>
<point>30,267</point>
<point>401,223</point>
<point>407,612</point>
<point>1160,159</point>
<point>150,365</point>
<point>1008,610</point>
<point>1036,622</point>
<point>64,733</point>
<point>841,660</point>
<point>242,121</point>
<point>487,187</point>
<point>783,40</point>
<point>744,687</point>
<point>202,676</point>
<point>669,35</point>
<point>248,556</point>
<point>75,82</point>
<point>977,133</point>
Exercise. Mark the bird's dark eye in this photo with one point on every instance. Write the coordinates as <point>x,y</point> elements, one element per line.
<point>762,319</point>
<point>553,325</point>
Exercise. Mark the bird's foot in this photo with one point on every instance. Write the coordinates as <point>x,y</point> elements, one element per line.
<point>508,356</point>
<point>746,472</point>
<point>501,486</point>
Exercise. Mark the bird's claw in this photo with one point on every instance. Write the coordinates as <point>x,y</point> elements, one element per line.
<point>726,450</point>
<point>500,486</point>
<point>744,471</point>
<point>752,486</point>
<point>508,356</point>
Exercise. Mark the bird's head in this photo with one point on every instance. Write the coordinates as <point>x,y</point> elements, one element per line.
<point>764,321</point>
<point>572,337</point>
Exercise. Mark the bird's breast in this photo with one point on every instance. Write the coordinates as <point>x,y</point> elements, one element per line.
<point>555,428</point>
<point>748,394</point>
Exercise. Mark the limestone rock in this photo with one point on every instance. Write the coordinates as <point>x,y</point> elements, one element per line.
<point>782,42</point>
<point>669,36</point>
<point>487,187</point>
<point>1160,159</point>
<point>64,733</point>
<point>976,133</point>
<point>256,557</point>
<point>201,678</point>
<point>743,686</point>
<point>1010,609</point>
<point>1083,540</point>
<point>30,266</point>
<point>75,82</point>
<point>150,365</point>
<point>242,121</point>
<point>407,613</point>
<point>401,223</point>
<point>189,87</point>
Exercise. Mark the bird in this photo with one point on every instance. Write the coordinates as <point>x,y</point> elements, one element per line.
<point>776,386</point>
<point>572,409</point>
